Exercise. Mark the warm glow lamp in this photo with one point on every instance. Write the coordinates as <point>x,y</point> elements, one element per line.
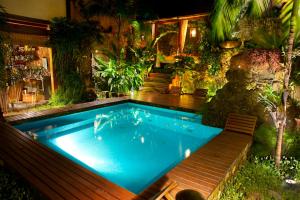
<point>193,32</point>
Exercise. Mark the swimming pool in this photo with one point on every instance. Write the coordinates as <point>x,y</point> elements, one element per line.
<point>129,144</point>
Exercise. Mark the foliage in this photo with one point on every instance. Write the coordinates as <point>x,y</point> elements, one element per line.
<point>262,57</point>
<point>213,78</point>
<point>13,187</point>
<point>210,56</point>
<point>72,44</point>
<point>265,141</point>
<point>118,74</point>
<point>194,45</point>
<point>71,91</point>
<point>268,39</point>
<point>226,15</point>
<point>144,57</point>
<point>260,179</point>
<point>295,75</point>
<point>212,60</point>
<point>234,97</point>
<point>252,178</point>
<point>182,63</point>
<point>270,98</point>
<point>285,16</point>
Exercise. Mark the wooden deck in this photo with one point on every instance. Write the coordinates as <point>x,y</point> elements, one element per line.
<point>181,102</point>
<point>59,178</point>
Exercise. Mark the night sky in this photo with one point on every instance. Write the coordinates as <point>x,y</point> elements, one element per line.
<point>173,8</point>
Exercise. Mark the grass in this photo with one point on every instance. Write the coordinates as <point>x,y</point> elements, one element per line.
<point>258,179</point>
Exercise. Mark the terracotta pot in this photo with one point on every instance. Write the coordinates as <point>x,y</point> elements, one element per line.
<point>230,44</point>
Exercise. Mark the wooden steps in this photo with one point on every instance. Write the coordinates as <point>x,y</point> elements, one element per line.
<point>156,83</point>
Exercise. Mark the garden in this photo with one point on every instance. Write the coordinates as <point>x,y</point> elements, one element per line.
<point>246,56</point>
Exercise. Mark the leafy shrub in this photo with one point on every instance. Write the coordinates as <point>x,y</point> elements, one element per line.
<point>260,179</point>
<point>290,168</point>
<point>252,178</point>
<point>264,140</point>
<point>117,74</point>
<point>72,43</point>
<point>261,57</point>
<point>212,60</point>
<point>292,144</point>
<point>295,75</point>
<point>70,92</point>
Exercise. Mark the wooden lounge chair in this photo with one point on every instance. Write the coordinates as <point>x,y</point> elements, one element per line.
<point>165,193</point>
<point>244,124</point>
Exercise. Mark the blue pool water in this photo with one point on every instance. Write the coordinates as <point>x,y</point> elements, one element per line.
<point>129,144</point>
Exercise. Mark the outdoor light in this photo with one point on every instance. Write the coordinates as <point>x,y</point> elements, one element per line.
<point>142,37</point>
<point>193,32</point>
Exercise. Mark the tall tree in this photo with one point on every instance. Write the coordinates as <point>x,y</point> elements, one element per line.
<point>226,16</point>
<point>288,68</point>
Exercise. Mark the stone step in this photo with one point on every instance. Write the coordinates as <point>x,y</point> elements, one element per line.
<point>160,75</point>
<point>155,84</point>
<point>158,79</point>
<point>154,89</point>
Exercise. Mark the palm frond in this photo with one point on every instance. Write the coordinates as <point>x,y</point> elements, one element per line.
<point>285,15</point>
<point>227,14</point>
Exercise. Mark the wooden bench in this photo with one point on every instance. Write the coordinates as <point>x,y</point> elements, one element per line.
<point>244,124</point>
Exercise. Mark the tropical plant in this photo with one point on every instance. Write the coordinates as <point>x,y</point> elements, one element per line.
<point>144,58</point>
<point>118,74</point>
<point>228,13</point>
<point>211,61</point>
<point>268,40</point>
<point>72,44</point>
<point>181,64</point>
